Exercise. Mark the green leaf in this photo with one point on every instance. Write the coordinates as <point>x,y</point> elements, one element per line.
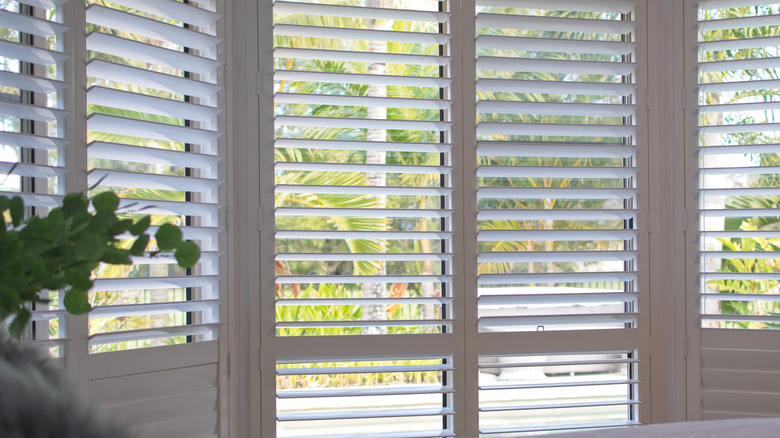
<point>106,201</point>
<point>90,247</point>
<point>74,203</point>
<point>9,299</point>
<point>16,328</point>
<point>76,302</point>
<point>141,226</point>
<point>140,244</point>
<point>115,256</point>
<point>16,207</point>
<point>187,254</point>
<point>3,204</point>
<point>78,278</point>
<point>168,237</point>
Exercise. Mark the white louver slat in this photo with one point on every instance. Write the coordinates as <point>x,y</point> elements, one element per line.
<point>153,83</point>
<point>557,199</point>
<point>35,137</point>
<point>363,214</point>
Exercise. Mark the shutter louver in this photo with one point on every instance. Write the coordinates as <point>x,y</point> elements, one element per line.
<point>33,137</point>
<point>557,218</point>
<point>363,216</point>
<point>153,84</point>
<point>739,205</point>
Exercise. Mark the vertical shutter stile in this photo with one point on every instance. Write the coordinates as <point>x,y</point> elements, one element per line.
<point>33,137</point>
<point>557,215</point>
<point>154,80</point>
<point>739,205</point>
<point>363,218</point>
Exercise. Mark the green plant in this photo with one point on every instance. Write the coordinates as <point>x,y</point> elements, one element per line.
<point>61,251</point>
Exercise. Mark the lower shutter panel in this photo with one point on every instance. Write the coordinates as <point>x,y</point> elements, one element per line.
<point>557,216</point>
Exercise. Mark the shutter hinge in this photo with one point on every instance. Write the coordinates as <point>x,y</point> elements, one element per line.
<point>682,99</point>
<point>227,218</point>
<point>259,218</point>
<point>647,97</point>
<point>226,74</point>
<point>260,358</point>
<point>228,365</point>
<point>685,345</point>
<point>685,221</point>
<point>650,349</point>
<point>259,82</point>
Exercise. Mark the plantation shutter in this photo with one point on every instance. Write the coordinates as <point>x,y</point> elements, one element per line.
<point>558,228</point>
<point>154,79</point>
<point>739,207</point>
<point>34,138</point>
<point>363,161</point>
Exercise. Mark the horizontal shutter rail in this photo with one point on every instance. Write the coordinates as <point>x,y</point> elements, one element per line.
<point>149,104</point>
<point>354,78</point>
<point>556,277</point>
<point>374,168</point>
<point>564,319</point>
<point>47,315</point>
<point>747,170</point>
<point>563,172</point>
<point>388,102</point>
<point>738,23</point>
<point>360,12</point>
<point>46,4</point>
<point>381,235</point>
<point>357,279</point>
<point>724,129</point>
<point>385,256</point>
<point>184,12</point>
<point>150,155</point>
<point>739,64</point>
<point>36,200</point>
<point>554,45</point>
<point>364,392</point>
<point>550,214</point>
<point>557,384</point>
<point>364,190</point>
<point>587,404</point>
<point>364,323</point>
<point>150,79</point>
<point>747,191</point>
<point>151,181</point>
<point>556,108</point>
<point>170,258</point>
<point>368,57</point>
<point>556,256</point>
<point>612,6</point>
<point>555,66</point>
<point>32,141</point>
<point>406,434</point>
<point>138,283</point>
<point>558,363</point>
<point>740,234</point>
<point>557,298</point>
<point>560,193</point>
<point>555,235</point>
<point>772,319</point>
<point>560,427</point>
<point>760,276</point>
<point>32,83</point>
<point>555,24</point>
<point>355,145</point>
<point>736,44</point>
<point>368,413</point>
<point>32,112</point>
<point>721,4</point>
<point>543,129</point>
<point>381,369</point>
<point>32,170</point>
<point>354,123</point>
<point>154,29</point>
<point>359,301</point>
<point>34,55</point>
<point>739,107</point>
<point>176,208</point>
<point>717,255</point>
<point>586,150</point>
<point>740,149</point>
<point>555,87</point>
<point>47,344</point>
<point>362,212</point>
<point>360,34</point>
<point>740,297</point>
<point>31,25</point>
<point>153,308</point>
<point>125,48</point>
<point>155,333</point>
<point>720,87</point>
<point>141,128</point>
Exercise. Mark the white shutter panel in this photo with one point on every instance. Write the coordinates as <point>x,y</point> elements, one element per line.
<point>33,137</point>
<point>363,219</point>
<point>154,125</point>
<point>739,205</point>
<point>557,219</point>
